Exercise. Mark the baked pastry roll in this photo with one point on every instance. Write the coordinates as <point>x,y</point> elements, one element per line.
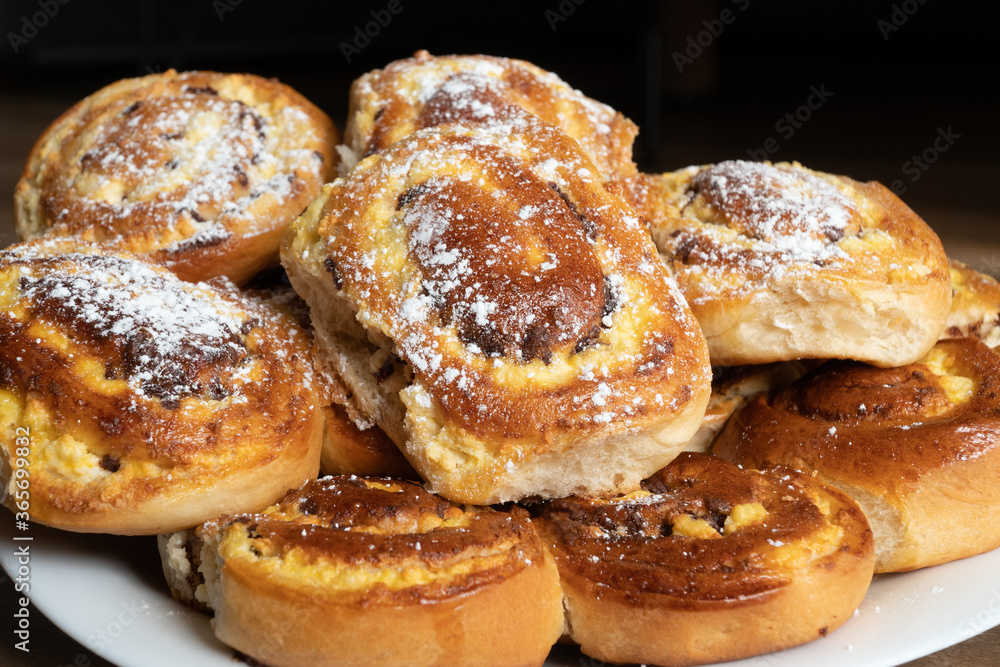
<point>501,314</point>
<point>975,305</point>
<point>424,91</point>
<point>199,171</point>
<point>367,571</point>
<point>918,447</point>
<point>780,262</point>
<point>146,404</point>
<point>708,563</point>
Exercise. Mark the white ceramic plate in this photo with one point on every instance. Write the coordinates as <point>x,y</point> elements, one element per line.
<point>108,593</point>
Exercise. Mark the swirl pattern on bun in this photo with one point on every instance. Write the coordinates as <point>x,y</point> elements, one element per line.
<point>501,314</point>
<point>150,404</point>
<point>362,571</point>
<point>199,171</point>
<point>918,447</point>
<point>781,263</point>
<point>708,562</point>
<point>425,91</point>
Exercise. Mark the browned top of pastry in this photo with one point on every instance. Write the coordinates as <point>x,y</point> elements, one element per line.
<point>425,91</point>
<point>702,532</point>
<point>134,383</point>
<point>186,167</point>
<point>733,228</point>
<point>879,428</point>
<point>373,540</point>
<point>525,295</point>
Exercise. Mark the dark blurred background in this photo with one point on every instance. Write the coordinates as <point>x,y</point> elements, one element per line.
<point>899,91</point>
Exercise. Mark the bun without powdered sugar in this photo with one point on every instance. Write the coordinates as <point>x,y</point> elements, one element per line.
<point>199,171</point>
<point>780,263</point>
<point>708,563</point>
<point>425,91</point>
<point>349,450</point>
<point>150,404</point>
<point>501,314</point>
<point>918,447</point>
<point>358,571</point>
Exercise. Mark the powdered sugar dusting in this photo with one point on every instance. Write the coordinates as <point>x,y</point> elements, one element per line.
<point>423,91</point>
<point>164,329</point>
<point>770,220</point>
<point>192,164</point>
<point>795,211</point>
<point>518,264</point>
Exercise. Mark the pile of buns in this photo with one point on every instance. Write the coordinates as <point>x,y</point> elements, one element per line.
<point>672,418</point>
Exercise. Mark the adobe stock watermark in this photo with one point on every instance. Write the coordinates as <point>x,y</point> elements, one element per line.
<point>991,265</point>
<point>792,122</point>
<point>223,7</point>
<point>561,13</point>
<point>898,17</point>
<point>982,620</point>
<point>695,45</point>
<point>31,24</point>
<point>21,483</point>
<point>918,164</point>
<point>363,36</point>
<point>116,627</point>
<point>81,660</point>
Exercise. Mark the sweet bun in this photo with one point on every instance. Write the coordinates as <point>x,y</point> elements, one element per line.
<point>975,305</point>
<point>780,262</point>
<point>148,404</point>
<point>424,91</point>
<point>501,314</point>
<point>918,447</point>
<point>199,171</point>
<point>708,563</point>
<point>366,571</point>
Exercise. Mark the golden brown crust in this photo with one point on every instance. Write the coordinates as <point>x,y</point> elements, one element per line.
<point>779,262</point>
<point>541,331</point>
<point>200,171</point>
<point>349,450</point>
<point>708,563</point>
<point>149,404</point>
<point>313,579</point>
<point>918,447</point>
<point>975,305</point>
<point>425,91</point>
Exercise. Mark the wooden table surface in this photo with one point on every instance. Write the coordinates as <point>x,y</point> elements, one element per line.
<point>21,120</point>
